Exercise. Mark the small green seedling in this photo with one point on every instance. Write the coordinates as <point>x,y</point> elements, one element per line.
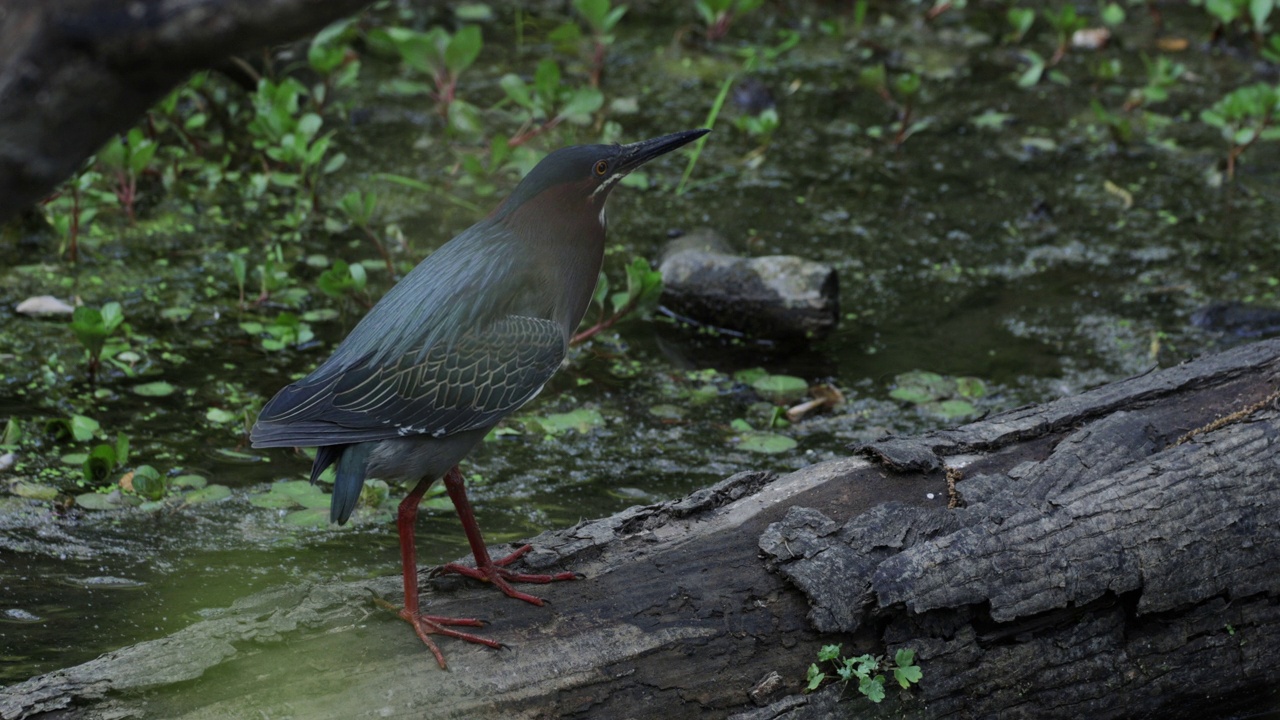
<point>125,159</point>
<point>761,126</point>
<point>1162,74</point>
<point>332,57</point>
<point>1066,21</point>
<point>92,327</point>
<point>103,460</point>
<point>286,330</point>
<point>899,94</point>
<point>1020,21</point>
<point>600,16</point>
<point>444,56</point>
<point>341,280</point>
<point>719,15</point>
<point>359,207</point>
<point>548,101</point>
<point>291,138</point>
<point>1244,116</point>
<point>149,484</point>
<point>863,668</point>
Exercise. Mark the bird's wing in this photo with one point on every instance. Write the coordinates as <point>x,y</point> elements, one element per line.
<point>484,374</point>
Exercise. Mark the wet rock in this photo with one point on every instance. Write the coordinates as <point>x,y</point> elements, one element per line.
<point>43,305</point>
<point>1239,319</point>
<point>776,297</point>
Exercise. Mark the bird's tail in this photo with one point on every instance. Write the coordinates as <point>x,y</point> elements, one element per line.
<point>351,465</point>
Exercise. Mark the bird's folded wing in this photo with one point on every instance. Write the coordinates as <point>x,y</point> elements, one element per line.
<point>473,382</point>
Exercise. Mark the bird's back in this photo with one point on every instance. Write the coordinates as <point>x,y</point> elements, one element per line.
<point>462,340</point>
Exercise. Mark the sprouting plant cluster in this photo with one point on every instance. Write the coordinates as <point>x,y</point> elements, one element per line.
<point>1128,101</point>
<point>864,670</point>
<point>1242,116</point>
<point>274,151</point>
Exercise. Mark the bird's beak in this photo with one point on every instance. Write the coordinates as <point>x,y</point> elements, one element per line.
<point>639,153</point>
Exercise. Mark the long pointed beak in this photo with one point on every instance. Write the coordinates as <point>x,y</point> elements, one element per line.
<point>638,153</point>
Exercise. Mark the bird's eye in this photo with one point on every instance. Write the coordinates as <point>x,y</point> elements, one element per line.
<point>602,167</point>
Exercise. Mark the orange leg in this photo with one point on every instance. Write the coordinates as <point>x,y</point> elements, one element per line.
<point>425,625</point>
<point>486,569</point>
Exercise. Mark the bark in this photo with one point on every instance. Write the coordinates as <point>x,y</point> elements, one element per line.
<point>74,72</point>
<point>1114,554</point>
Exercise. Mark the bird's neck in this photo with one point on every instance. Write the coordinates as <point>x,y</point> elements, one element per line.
<point>565,235</point>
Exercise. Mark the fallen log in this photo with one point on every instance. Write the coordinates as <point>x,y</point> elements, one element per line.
<point>1113,554</point>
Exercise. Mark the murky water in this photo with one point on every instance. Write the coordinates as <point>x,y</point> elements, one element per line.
<point>993,251</point>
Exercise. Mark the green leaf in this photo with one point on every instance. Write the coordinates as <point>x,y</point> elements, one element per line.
<point>872,78</point>
<point>141,157</point>
<point>464,118</point>
<point>97,467</point>
<point>613,17</point>
<point>1021,20</point>
<point>122,449</point>
<point>581,104</point>
<point>308,517</point>
<point>566,37</point>
<point>1226,11</point>
<point>1259,11</point>
<point>546,81</point>
<point>189,482</point>
<point>814,678</point>
<point>829,652</point>
<point>12,433</point>
<point>149,483</point>
<point>218,416</point>
<point>328,49</point>
<point>1112,14</point>
<point>517,90</point>
<point>581,420</point>
<point>781,388</point>
<point>112,155</point>
<point>766,443</point>
<point>112,316</point>
<point>83,428</point>
<point>158,388</point>
<point>907,85</point>
<point>593,11</point>
<point>872,687</point>
<point>207,494</point>
<point>463,49</point>
<point>34,491</point>
<point>98,501</point>
<point>907,675</point>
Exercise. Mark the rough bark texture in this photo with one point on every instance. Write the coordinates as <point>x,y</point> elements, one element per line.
<point>1097,567</point>
<point>73,72</point>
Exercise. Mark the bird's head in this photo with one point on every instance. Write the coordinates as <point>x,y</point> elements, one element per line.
<point>583,175</point>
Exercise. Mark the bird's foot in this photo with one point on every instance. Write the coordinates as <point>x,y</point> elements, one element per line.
<point>496,573</point>
<point>425,626</point>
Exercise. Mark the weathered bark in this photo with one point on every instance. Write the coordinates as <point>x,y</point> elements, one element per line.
<point>1096,567</point>
<point>74,72</point>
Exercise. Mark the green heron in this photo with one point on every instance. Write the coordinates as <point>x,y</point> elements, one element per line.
<point>467,337</point>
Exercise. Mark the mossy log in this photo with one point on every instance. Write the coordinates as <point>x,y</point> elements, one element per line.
<point>1113,554</point>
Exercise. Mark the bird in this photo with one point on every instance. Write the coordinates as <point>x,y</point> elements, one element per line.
<point>467,337</point>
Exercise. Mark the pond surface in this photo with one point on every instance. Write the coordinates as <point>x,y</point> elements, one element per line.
<point>1008,239</point>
